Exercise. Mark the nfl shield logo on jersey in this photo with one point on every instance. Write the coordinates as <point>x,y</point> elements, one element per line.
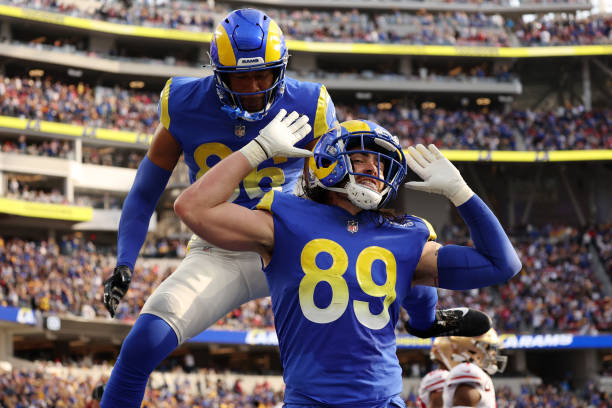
<point>240,130</point>
<point>352,226</point>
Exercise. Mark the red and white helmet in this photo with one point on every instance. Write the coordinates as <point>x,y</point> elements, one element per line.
<point>433,381</point>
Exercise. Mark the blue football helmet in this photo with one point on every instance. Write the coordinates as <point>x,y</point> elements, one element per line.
<point>331,168</point>
<point>248,40</point>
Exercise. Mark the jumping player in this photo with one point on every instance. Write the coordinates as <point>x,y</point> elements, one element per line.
<point>205,120</point>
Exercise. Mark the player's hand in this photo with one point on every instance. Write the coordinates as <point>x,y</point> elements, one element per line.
<point>439,175</point>
<point>116,287</point>
<point>279,136</point>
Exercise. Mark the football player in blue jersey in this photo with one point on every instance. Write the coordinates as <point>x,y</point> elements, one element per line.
<point>338,267</point>
<point>205,120</point>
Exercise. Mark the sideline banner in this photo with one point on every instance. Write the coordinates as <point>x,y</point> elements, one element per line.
<point>527,156</point>
<point>66,129</point>
<point>45,210</point>
<point>23,315</point>
<point>510,341</point>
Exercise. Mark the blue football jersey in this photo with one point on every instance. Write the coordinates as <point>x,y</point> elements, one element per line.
<point>337,282</point>
<point>190,109</point>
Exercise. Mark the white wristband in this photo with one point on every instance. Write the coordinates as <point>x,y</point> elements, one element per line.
<point>461,196</point>
<point>254,153</point>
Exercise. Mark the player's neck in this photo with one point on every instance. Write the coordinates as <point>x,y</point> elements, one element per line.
<point>342,201</point>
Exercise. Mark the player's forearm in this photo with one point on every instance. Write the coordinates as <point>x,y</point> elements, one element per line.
<point>212,189</point>
<point>492,260</point>
<point>138,207</point>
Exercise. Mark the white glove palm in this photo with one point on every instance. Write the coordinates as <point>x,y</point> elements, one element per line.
<point>278,137</point>
<point>439,174</point>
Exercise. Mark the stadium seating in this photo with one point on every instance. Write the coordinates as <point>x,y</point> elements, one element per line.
<point>564,128</point>
<point>420,27</point>
<point>556,291</point>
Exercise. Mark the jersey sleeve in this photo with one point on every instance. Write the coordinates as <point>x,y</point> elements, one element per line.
<point>163,109</point>
<point>422,223</point>
<point>325,114</point>
<point>266,202</point>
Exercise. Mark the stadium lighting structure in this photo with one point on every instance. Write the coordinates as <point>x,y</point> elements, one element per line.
<point>137,84</point>
<point>483,101</point>
<point>36,73</point>
<point>384,106</point>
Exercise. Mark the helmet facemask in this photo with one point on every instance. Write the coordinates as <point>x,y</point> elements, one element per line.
<point>231,100</point>
<point>335,150</point>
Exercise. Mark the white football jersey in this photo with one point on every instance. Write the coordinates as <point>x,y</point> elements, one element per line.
<point>468,373</point>
<point>433,381</point>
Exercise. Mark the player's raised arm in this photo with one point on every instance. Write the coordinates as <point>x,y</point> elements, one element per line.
<point>492,260</point>
<point>151,179</point>
<point>203,206</point>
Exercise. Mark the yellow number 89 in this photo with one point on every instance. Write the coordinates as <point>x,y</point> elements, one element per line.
<point>340,293</point>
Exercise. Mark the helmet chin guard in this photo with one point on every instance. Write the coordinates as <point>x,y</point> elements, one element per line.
<point>362,196</point>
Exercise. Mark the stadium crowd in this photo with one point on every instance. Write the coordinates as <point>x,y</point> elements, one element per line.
<point>556,291</point>
<point>595,30</point>
<point>564,128</point>
<point>55,101</point>
<point>22,191</point>
<point>48,384</point>
<point>47,148</point>
<point>120,109</point>
<point>63,149</point>
<point>421,27</point>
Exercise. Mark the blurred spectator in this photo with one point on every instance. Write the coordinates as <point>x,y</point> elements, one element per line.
<point>62,149</point>
<point>54,101</point>
<point>555,292</point>
<point>592,30</point>
<point>565,128</point>
<point>421,27</point>
<point>47,384</point>
<point>561,129</point>
<point>23,191</point>
<point>54,385</point>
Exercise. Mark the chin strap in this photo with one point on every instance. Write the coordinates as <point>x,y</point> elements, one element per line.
<point>235,113</point>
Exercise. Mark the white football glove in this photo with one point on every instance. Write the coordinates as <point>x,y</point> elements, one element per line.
<point>439,174</point>
<point>278,137</point>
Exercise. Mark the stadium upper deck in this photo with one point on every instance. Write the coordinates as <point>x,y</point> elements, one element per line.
<point>355,26</point>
